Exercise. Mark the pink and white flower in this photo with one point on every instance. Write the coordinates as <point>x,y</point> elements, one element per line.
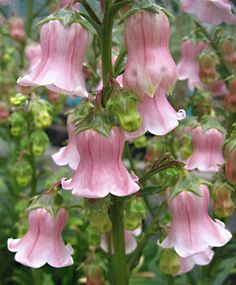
<point>158,116</point>
<point>43,242</point>
<point>192,231</point>
<point>68,154</point>
<point>101,170</point>
<point>60,68</point>
<point>149,64</point>
<point>207,150</point>
<point>212,12</point>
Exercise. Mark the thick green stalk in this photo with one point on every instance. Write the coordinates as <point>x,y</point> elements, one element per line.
<point>118,258</point>
<point>106,43</point>
<point>37,276</point>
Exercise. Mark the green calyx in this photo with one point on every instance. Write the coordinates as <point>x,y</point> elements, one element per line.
<point>188,181</point>
<point>145,5</point>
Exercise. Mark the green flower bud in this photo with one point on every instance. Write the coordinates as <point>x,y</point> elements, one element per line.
<point>23,173</point>
<point>40,141</point>
<point>42,113</point>
<point>100,221</point>
<point>130,122</point>
<point>132,222</point>
<point>223,205</point>
<point>94,237</point>
<point>140,142</point>
<point>18,124</point>
<point>18,99</point>
<point>169,262</point>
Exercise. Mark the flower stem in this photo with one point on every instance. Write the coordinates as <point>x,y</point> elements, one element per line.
<point>118,258</point>
<point>29,18</point>
<point>37,276</point>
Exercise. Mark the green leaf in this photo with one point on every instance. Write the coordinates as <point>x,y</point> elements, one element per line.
<point>227,265</point>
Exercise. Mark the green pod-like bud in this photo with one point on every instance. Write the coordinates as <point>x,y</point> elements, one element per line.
<point>39,141</point>
<point>23,173</point>
<point>42,113</point>
<point>94,237</point>
<point>18,99</point>
<point>100,220</point>
<point>131,121</point>
<point>140,142</point>
<point>132,222</point>
<point>18,124</point>
<point>169,262</point>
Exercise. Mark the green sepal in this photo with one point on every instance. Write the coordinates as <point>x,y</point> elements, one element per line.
<point>188,181</point>
<point>49,201</point>
<point>145,5</point>
<point>211,123</point>
<point>67,17</point>
<point>97,119</point>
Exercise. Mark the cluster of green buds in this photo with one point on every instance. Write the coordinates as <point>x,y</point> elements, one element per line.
<point>123,106</point>
<point>134,213</point>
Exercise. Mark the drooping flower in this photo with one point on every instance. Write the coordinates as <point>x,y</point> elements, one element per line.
<point>101,170</point>
<point>207,153</point>
<point>60,67</point>
<point>43,242</point>
<point>202,258</point>
<point>33,54</point>
<point>188,66</point>
<point>16,28</point>
<point>130,241</point>
<point>158,116</point>
<point>68,154</point>
<point>212,12</point>
<point>192,231</point>
<point>149,64</point>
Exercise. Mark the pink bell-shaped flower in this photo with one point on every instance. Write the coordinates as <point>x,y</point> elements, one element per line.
<point>68,154</point>
<point>202,258</point>
<point>130,241</point>
<point>207,153</point>
<point>212,12</point>
<point>149,64</point>
<point>158,116</point>
<point>188,66</point>
<point>60,67</point>
<point>33,54</point>
<point>192,231</point>
<point>43,242</point>
<point>101,170</point>
<point>16,28</point>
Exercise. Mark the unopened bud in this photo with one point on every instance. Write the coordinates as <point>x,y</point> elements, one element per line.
<point>140,142</point>
<point>169,262</point>
<point>208,69</point>
<point>230,99</point>
<point>134,212</point>
<point>40,141</point>
<point>130,122</point>
<point>18,99</point>
<point>18,124</point>
<point>42,113</point>
<point>223,205</point>
<point>100,220</point>
<point>23,173</point>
